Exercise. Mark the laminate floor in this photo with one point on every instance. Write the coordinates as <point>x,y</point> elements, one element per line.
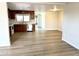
<point>42,43</point>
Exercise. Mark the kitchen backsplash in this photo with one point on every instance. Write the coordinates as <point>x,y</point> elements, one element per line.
<point>12,22</point>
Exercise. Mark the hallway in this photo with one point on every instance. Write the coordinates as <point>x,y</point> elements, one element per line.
<point>43,43</point>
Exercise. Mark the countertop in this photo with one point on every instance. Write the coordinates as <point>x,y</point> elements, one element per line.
<point>12,22</point>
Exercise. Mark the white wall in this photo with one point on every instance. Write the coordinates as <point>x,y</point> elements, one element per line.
<point>71,25</point>
<point>40,19</point>
<point>43,20</point>
<point>51,21</point>
<point>4,29</point>
<point>60,20</point>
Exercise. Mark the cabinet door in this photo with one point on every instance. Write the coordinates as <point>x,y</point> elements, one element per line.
<point>20,28</point>
<point>33,27</point>
<point>10,30</point>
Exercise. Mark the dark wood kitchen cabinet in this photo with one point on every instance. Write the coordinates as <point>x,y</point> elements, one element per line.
<point>10,30</point>
<point>33,27</point>
<point>12,13</point>
<point>20,28</point>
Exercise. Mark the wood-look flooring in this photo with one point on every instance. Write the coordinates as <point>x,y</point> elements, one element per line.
<point>42,43</point>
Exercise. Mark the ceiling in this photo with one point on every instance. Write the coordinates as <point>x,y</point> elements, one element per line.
<point>34,6</point>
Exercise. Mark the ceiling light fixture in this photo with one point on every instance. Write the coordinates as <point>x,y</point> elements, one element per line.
<point>54,9</point>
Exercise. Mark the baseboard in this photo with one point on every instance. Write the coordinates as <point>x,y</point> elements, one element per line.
<point>50,29</point>
<point>4,45</point>
<point>59,30</point>
<point>71,44</point>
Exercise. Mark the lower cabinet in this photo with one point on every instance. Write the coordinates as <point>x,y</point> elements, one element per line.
<point>33,27</point>
<point>20,28</point>
<point>24,28</point>
<point>10,31</point>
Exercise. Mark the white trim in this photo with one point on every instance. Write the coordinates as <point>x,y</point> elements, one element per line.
<point>1,45</point>
<point>71,44</point>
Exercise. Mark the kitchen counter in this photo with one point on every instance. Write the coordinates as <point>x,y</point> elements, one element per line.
<point>22,26</point>
<point>12,22</point>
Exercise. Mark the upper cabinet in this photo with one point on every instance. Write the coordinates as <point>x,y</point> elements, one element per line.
<point>12,13</point>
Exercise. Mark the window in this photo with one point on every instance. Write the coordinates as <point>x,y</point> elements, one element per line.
<point>19,17</point>
<point>22,17</point>
<point>26,18</point>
